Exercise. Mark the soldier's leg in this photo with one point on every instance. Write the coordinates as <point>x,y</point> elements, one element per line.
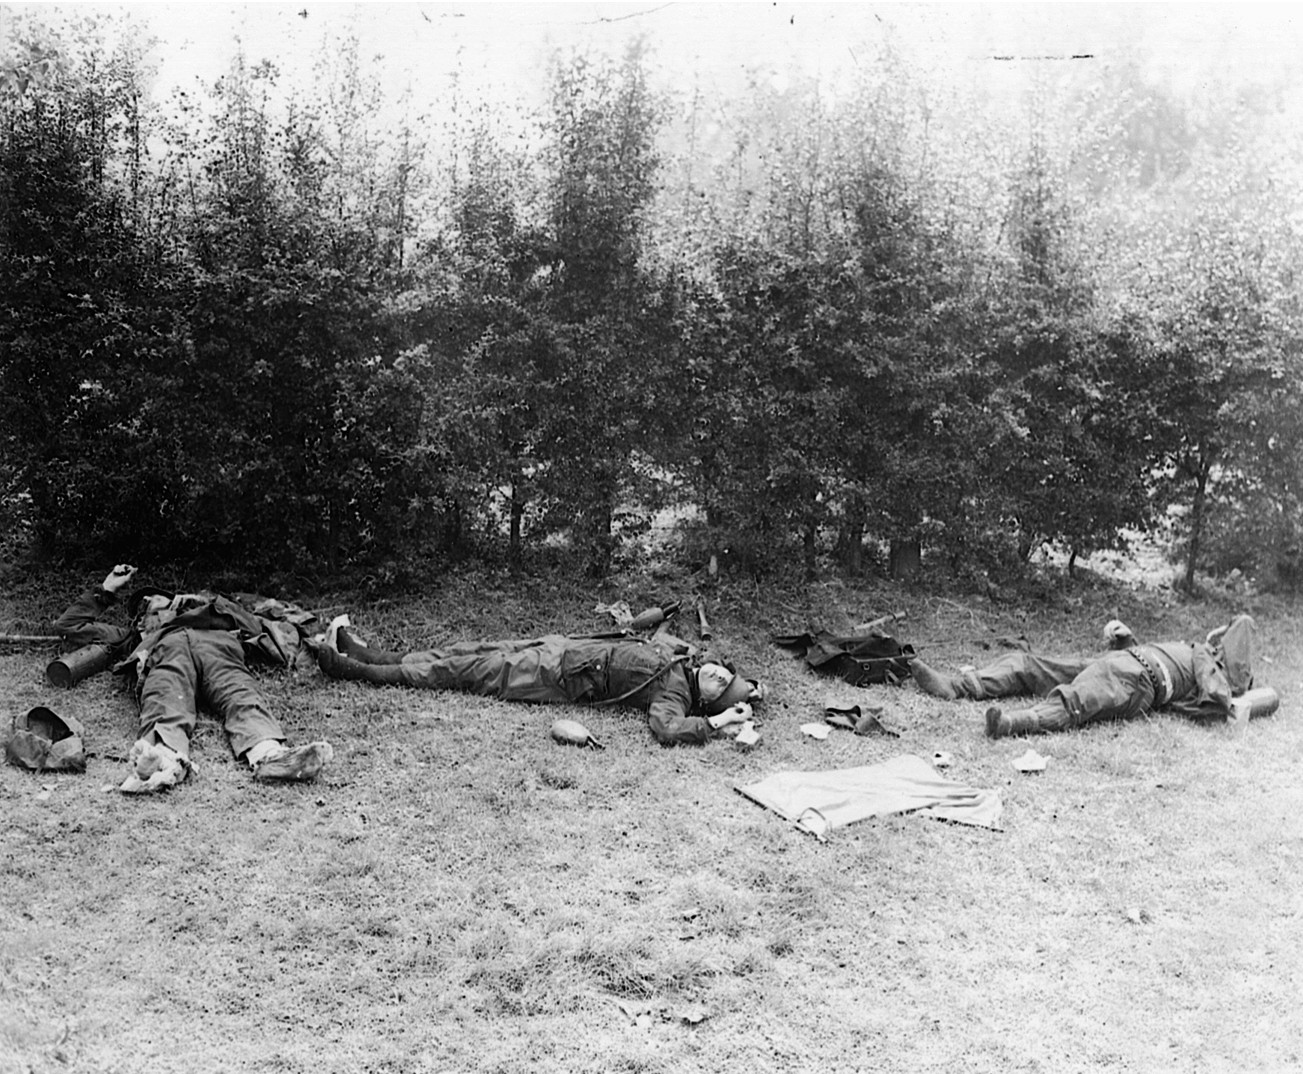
<point>526,673</point>
<point>232,692</point>
<point>943,684</point>
<point>255,735</point>
<point>1044,716</point>
<point>1234,647</point>
<point>355,650</point>
<point>168,693</point>
<point>160,756</point>
<point>1019,674</point>
<point>1015,674</point>
<point>1114,686</point>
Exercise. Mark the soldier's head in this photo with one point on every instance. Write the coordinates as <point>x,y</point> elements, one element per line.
<point>151,608</point>
<point>719,688</point>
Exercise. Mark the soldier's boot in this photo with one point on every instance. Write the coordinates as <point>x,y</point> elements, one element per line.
<point>355,650</point>
<point>936,683</point>
<point>296,764</point>
<point>1048,715</point>
<point>338,666</point>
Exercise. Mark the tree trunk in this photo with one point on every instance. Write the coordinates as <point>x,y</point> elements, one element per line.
<point>850,538</point>
<point>906,559</point>
<point>1198,507</point>
<point>600,527</point>
<point>517,514</point>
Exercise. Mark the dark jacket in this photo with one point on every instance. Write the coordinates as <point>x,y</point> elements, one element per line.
<point>264,640</point>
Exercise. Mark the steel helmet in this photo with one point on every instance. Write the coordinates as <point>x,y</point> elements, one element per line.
<point>736,689</point>
<point>44,741</point>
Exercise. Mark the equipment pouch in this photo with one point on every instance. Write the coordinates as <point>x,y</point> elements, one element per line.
<point>584,672</point>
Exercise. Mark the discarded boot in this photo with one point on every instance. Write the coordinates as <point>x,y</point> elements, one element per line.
<point>933,682</point>
<point>301,764</point>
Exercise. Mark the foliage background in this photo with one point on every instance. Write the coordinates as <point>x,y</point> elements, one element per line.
<point>890,315</point>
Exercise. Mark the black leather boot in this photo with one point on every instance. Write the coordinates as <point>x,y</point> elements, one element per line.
<point>338,666</point>
<point>1044,716</point>
<point>355,650</point>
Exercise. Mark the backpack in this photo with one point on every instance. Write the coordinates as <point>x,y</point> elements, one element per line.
<point>859,659</point>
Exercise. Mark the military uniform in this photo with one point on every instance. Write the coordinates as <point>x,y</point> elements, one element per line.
<point>201,655</point>
<point>1189,679</point>
<point>652,675</point>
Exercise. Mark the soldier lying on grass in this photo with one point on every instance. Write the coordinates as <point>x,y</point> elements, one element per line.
<point>181,648</point>
<point>687,699</point>
<point>1200,679</point>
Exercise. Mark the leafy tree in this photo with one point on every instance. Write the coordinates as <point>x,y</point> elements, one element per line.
<point>1227,415</point>
<point>87,317</point>
<point>597,391</point>
<point>1070,385</point>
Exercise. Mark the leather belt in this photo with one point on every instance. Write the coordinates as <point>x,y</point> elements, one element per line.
<point>1158,674</point>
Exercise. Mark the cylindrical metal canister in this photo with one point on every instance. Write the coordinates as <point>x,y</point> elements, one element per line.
<point>647,619</point>
<point>68,670</point>
<point>1262,700</point>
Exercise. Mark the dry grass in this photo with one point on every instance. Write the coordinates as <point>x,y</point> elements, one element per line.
<point>458,893</point>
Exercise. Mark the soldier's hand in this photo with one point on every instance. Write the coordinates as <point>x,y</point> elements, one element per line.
<point>1117,635</point>
<point>734,716</point>
<point>118,577</point>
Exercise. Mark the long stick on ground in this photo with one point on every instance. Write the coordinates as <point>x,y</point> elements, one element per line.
<point>879,624</point>
<point>29,638</point>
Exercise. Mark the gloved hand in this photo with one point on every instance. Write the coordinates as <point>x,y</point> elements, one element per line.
<point>118,577</point>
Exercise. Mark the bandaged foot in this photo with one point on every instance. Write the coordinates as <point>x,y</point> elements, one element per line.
<point>155,767</point>
<point>301,764</point>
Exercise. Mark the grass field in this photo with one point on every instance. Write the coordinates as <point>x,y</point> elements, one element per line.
<point>459,893</point>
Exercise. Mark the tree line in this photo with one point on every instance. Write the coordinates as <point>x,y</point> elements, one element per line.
<point>306,329</point>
